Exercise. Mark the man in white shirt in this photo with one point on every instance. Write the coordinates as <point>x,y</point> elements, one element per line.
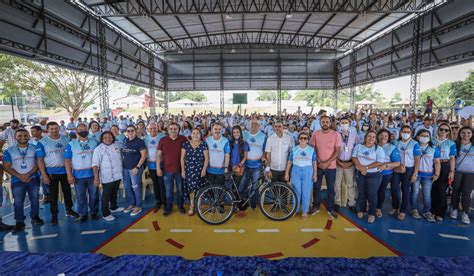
<point>8,135</point>
<point>277,150</point>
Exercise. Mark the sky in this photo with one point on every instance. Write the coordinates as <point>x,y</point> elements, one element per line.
<point>388,88</point>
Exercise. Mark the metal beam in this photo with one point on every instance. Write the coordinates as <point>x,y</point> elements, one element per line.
<point>416,59</point>
<point>132,8</point>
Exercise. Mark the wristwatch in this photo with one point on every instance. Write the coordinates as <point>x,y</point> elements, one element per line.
<point>137,167</point>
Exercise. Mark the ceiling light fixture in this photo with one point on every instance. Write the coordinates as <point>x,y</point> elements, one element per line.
<point>232,51</point>
<point>228,16</point>
<point>289,15</point>
<point>271,50</point>
<point>180,51</point>
<point>317,50</point>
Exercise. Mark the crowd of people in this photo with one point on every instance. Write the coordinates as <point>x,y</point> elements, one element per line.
<point>357,155</point>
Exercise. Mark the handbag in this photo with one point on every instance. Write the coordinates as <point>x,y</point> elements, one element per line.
<point>238,170</point>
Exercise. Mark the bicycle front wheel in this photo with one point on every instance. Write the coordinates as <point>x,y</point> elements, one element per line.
<point>278,201</point>
<point>214,204</point>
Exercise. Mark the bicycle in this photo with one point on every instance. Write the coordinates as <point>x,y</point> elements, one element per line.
<point>215,204</point>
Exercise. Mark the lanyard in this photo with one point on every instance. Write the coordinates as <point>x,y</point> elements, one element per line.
<point>345,138</point>
<point>23,157</point>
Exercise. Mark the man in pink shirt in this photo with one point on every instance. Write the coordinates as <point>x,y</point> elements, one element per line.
<point>328,144</point>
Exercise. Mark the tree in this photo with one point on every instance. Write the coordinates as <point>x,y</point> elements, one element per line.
<point>135,91</point>
<point>323,98</point>
<point>271,95</point>
<point>190,95</point>
<point>72,90</point>
<point>15,76</point>
<point>396,98</point>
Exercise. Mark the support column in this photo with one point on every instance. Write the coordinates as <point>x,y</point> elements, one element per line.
<point>165,86</point>
<point>102,66</point>
<point>151,78</point>
<point>279,85</point>
<point>352,79</point>
<point>336,92</point>
<point>221,85</point>
<point>416,59</point>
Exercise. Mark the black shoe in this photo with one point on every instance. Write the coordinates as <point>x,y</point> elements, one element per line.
<point>337,207</point>
<point>221,209</point>
<point>37,221</point>
<point>81,219</point>
<point>6,227</point>
<point>19,227</point>
<point>157,208</point>
<point>94,217</point>
<point>332,214</point>
<point>54,220</point>
<point>181,210</point>
<point>72,214</point>
<point>166,213</point>
<point>314,211</point>
<point>353,209</point>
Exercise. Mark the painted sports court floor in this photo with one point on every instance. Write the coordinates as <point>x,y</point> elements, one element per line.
<point>253,235</point>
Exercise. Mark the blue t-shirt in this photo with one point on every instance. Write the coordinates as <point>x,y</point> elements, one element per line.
<point>392,154</point>
<point>152,149</point>
<point>22,159</point>
<point>80,154</point>
<point>447,148</point>
<point>235,154</point>
<point>95,136</point>
<point>428,155</point>
<point>257,148</point>
<point>368,156</point>
<point>217,151</point>
<point>303,157</point>
<point>131,152</point>
<point>408,151</point>
<point>52,151</point>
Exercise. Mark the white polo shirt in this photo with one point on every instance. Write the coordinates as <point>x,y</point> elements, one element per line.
<point>280,150</point>
<point>109,160</point>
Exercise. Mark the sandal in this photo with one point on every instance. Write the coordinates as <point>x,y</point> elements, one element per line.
<point>240,214</point>
<point>304,216</point>
<point>379,213</point>
<point>191,211</point>
<point>401,216</point>
<point>360,215</point>
<point>371,219</point>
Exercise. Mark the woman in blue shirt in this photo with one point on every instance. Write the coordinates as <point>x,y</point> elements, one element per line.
<point>238,156</point>
<point>407,172</point>
<point>426,175</point>
<point>367,158</point>
<point>94,131</point>
<point>304,172</point>
<point>447,150</point>
<point>392,160</point>
<point>464,177</point>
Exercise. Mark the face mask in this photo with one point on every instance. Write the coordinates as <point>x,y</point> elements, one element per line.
<point>83,134</point>
<point>365,128</point>
<point>424,140</point>
<point>405,136</point>
<point>391,126</point>
<point>344,127</point>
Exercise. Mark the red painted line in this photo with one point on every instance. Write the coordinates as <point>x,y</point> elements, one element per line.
<point>174,243</point>
<point>207,254</point>
<point>121,231</point>
<point>271,256</point>
<point>310,243</point>
<point>156,226</point>
<point>155,211</point>
<point>372,236</point>
<point>328,224</point>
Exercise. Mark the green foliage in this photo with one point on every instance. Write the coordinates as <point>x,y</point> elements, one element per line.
<point>15,76</point>
<point>445,94</point>
<point>271,95</point>
<point>190,95</point>
<point>396,98</point>
<point>323,98</point>
<point>136,91</point>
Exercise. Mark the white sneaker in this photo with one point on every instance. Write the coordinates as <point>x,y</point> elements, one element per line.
<point>118,210</point>
<point>454,214</point>
<point>465,218</point>
<point>136,211</point>
<point>109,218</point>
<point>129,209</point>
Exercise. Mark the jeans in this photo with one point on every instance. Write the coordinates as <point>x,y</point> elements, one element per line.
<point>54,192</point>
<point>462,189</point>
<point>404,179</point>
<point>45,189</point>
<point>86,191</point>
<point>301,179</point>
<point>133,187</point>
<point>109,197</point>
<point>439,199</point>
<point>158,188</point>
<point>170,179</point>
<point>368,186</point>
<point>330,175</point>
<point>19,190</point>
<point>345,179</point>
<point>426,184</point>
<point>248,184</point>
<point>394,191</point>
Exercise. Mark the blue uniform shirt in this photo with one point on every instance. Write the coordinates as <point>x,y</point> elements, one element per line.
<point>22,159</point>
<point>447,148</point>
<point>428,155</point>
<point>152,149</point>
<point>217,151</point>
<point>408,152</point>
<point>368,156</point>
<point>53,153</point>
<point>303,157</point>
<point>257,148</point>
<point>80,154</point>
<point>392,154</point>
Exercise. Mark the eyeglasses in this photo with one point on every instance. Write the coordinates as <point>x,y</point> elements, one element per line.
<point>444,129</point>
<point>454,127</point>
<point>303,138</point>
<point>130,130</point>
